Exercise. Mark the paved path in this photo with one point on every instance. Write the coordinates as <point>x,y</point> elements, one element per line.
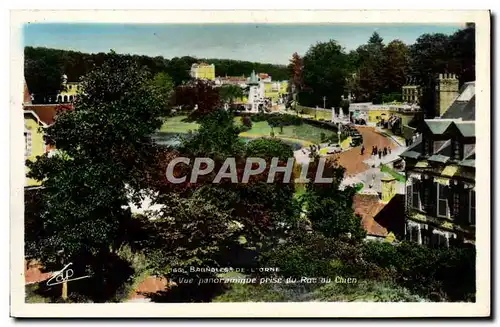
<point>353,161</point>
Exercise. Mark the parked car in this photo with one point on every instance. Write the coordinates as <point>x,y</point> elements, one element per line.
<point>333,149</point>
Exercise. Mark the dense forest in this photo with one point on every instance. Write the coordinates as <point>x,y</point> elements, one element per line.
<point>44,67</point>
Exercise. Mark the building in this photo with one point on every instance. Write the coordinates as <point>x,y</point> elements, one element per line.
<point>69,92</point>
<point>256,98</point>
<point>380,207</point>
<point>203,71</point>
<point>240,81</point>
<point>36,118</point>
<point>440,174</point>
<point>411,93</point>
<point>386,115</point>
<point>446,92</point>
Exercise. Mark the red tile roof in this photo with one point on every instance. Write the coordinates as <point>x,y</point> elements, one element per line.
<point>368,206</point>
<point>47,112</point>
<point>27,95</point>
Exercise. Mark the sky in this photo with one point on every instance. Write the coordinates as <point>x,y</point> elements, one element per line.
<point>265,43</point>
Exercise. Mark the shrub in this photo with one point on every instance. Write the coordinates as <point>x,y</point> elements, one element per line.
<point>247,122</point>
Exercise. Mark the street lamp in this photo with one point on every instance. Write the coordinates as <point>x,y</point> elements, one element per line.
<point>324,102</point>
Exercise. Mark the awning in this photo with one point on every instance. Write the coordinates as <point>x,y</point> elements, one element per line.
<point>422,164</point>
<point>450,170</point>
<point>442,181</point>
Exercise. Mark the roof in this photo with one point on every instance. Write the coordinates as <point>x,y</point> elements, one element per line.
<point>368,206</point>
<point>27,94</point>
<point>467,128</point>
<point>439,158</point>
<point>468,163</point>
<point>450,170</point>
<point>438,126</point>
<point>47,113</point>
<point>410,154</point>
<point>464,106</point>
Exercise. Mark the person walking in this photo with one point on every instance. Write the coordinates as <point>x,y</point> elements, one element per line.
<point>380,154</point>
<point>362,149</point>
<point>384,152</point>
<point>389,148</point>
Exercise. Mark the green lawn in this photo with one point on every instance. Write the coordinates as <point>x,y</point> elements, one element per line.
<point>395,174</point>
<point>178,124</point>
<point>308,133</point>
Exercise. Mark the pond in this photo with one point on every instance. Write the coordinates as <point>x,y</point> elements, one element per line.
<point>173,140</point>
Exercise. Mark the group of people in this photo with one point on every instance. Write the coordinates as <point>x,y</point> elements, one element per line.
<point>376,151</point>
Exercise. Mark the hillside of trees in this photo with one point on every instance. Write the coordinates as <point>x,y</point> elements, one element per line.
<point>44,67</point>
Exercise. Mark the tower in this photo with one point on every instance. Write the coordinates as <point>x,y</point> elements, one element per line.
<point>255,93</point>
<point>446,92</point>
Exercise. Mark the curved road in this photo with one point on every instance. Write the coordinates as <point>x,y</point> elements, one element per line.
<point>352,160</point>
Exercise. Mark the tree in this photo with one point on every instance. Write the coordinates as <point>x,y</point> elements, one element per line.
<point>324,74</point>
<point>104,148</point>
<point>296,68</point>
<point>371,73</point>
<point>463,53</point>
<point>328,207</point>
<point>429,56</point>
<point>229,93</point>
<point>164,84</point>
<point>198,96</point>
<point>43,75</point>
<point>395,67</point>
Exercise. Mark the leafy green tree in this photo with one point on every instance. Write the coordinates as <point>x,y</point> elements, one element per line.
<point>104,148</point>
<point>395,67</point>
<point>329,207</point>
<point>229,93</point>
<point>324,74</point>
<point>165,85</point>
<point>43,75</point>
<point>429,57</point>
<point>371,74</point>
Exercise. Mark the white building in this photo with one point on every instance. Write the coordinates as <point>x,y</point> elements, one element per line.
<point>256,98</point>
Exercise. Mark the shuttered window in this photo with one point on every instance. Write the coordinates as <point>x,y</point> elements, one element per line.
<point>27,143</point>
<point>442,201</point>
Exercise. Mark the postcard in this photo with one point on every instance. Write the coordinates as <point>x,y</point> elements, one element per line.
<point>250,164</point>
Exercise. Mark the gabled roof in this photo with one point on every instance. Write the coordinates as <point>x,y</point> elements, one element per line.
<point>438,126</point>
<point>467,128</point>
<point>368,206</point>
<point>464,106</point>
<point>47,113</point>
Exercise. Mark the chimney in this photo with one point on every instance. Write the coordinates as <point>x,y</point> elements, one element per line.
<point>388,186</point>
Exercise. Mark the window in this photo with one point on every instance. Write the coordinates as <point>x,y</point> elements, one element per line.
<point>415,194</point>
<point>439,240</point>
<point>442,197</point>
<point>412,233</point>
<point>413,199</point>
<point>456,150</point>
<point>472,207</point>
<point>27,143</point>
